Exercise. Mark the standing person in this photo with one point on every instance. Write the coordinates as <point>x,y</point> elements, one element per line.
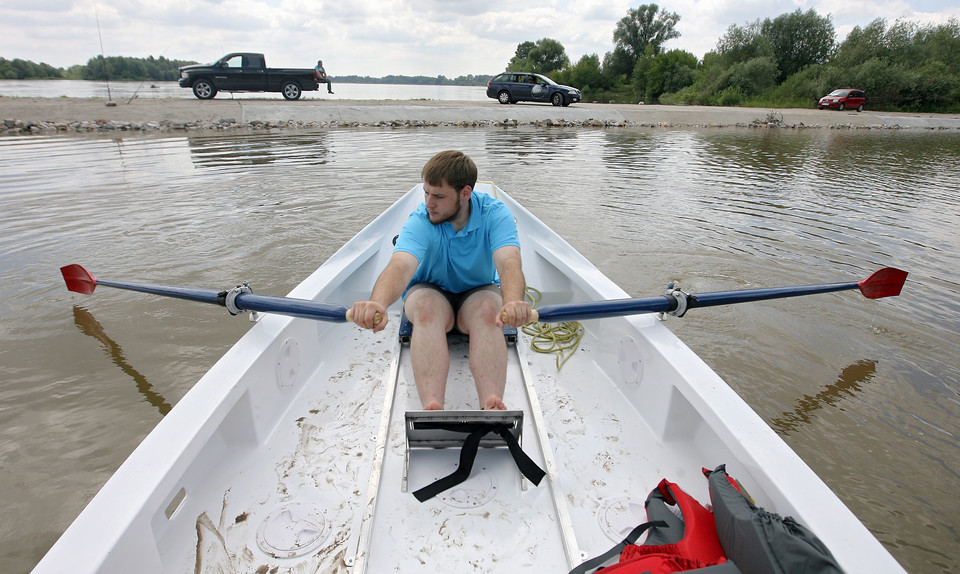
<point>320,75</point>
<point>457,264</point>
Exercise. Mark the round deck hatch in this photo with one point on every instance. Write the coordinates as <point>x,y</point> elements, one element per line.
<point>292,530</point>
<point>618,517</point>
<point>476,491</point>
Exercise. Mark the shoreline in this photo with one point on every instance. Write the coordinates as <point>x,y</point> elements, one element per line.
<point>94,115</point>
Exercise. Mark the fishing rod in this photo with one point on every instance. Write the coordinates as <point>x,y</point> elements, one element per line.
<point>103,59</point>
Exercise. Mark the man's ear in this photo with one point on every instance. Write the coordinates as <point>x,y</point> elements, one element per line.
<point>465,193</point>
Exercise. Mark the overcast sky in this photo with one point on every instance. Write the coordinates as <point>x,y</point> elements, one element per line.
<point>381,37</point>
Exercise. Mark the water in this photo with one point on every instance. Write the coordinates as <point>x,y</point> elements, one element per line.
<point>867,392</point>
<point>123,91</point>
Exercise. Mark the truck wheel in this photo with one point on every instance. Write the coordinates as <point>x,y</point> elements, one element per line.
<point>291,90</point>
<point>204,89</point>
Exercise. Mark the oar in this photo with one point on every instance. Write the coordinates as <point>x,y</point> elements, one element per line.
<point>236,300</point>
<point>886,282</point>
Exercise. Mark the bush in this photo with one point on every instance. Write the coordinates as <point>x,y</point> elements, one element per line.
<point>731,96</point>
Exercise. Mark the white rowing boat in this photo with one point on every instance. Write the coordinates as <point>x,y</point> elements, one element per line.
<point>294,453</point>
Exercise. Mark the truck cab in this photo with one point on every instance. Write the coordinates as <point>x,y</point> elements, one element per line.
<point>241,73</point>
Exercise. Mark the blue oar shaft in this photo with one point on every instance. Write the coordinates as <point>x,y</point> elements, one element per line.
<point>303,308</point>
<point>188,293</point>
<point>604,309</point>
<point>747,295</point>
<point>292,307</point>
<point>666,304</point>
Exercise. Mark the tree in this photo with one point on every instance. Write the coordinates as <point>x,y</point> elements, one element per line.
<point>799,39</point>
<point>544,56</point>
<point>863,44</point>
<point>548,56</point>
<point>520,60</point>
<point>744,43</point>
<point>586,75</point>
<point>667,72</point>
<point>18,69</point>
<point>943,45</point>
<point>618,63</point>
<point>646,26</point>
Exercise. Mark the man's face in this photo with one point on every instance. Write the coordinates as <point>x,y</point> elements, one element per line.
<point>442,201</point>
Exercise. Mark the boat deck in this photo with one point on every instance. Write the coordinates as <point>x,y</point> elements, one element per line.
<point>322,465</point>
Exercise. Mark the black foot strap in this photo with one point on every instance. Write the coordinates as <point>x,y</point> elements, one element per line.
<point>468,453</point>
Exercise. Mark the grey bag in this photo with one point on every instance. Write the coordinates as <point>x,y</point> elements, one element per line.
<point>760,542</point>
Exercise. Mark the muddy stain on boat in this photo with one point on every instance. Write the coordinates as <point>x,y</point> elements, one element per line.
<point>866,393</point>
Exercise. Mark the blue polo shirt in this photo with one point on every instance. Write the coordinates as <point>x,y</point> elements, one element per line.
<point>460,261</point>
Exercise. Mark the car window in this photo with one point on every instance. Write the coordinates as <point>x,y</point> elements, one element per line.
<point>235,62</point>
<point>838,92</point>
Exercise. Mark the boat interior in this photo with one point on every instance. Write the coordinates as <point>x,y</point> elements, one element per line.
<point>293,452</point>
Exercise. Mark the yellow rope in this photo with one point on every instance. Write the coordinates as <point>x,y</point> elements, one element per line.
<point>563,338</point>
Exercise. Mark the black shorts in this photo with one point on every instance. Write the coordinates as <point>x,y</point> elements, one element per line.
<point>455,299</point>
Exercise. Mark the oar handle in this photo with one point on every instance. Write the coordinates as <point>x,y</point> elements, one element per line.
<point>534,317</point>
<point>377,317</point>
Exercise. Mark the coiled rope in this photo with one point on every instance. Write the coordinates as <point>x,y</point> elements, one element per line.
<point>563,338</point>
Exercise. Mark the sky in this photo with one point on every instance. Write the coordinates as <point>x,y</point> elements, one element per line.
<point>381,37</point>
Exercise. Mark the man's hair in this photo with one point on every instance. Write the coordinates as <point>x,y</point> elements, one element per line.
<point>454,167</point>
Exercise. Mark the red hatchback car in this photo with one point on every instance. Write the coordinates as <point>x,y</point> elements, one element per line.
<point>843,99</point>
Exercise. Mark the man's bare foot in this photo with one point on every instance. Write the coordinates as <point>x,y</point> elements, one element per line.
<point>433,406</point>
<point>494,403</point>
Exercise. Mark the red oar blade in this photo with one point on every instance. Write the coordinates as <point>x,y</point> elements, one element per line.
<point>78,279</point>
<point>884,283</point>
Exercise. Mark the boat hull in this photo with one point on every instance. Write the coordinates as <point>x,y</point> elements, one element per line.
<point>290,452</point>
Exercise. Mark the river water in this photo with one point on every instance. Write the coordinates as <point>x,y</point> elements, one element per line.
<point>867,392</point>
<point>125,91</point>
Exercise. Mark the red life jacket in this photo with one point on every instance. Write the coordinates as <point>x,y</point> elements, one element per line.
<point>698,548</point>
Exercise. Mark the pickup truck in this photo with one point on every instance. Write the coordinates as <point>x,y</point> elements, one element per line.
<point>245,72</point>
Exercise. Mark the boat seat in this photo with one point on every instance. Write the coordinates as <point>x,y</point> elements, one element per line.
<point>406,330</point>
<point>469,431</point>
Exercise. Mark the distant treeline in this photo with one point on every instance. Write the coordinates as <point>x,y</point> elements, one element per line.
<point>98,68</point>
<point>164,70</point>
<point>788,61</point>
<point>18,69</point>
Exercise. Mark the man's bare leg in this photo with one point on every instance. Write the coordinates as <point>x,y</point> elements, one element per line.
<point>432,318</point>
<point>488,349</point>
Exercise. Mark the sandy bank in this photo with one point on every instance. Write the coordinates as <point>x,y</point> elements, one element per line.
<point>33,115</point>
